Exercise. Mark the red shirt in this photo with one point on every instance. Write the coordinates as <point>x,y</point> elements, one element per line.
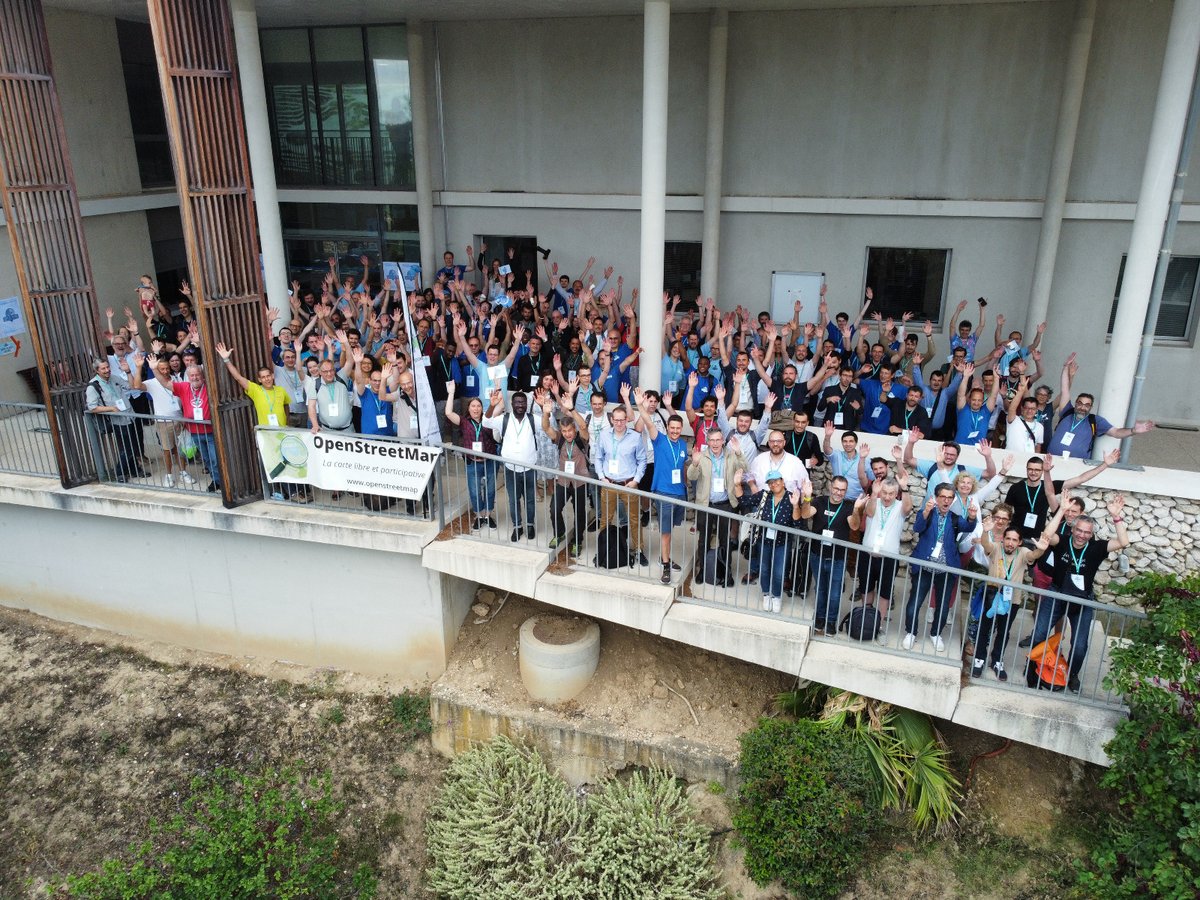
<point>190,403</point>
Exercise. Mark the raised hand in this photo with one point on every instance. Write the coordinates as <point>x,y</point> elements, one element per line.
<point>625,392</point>
<point>828,424</point>
<point>928,328</point>
<point>985,448</point>
<point>870,295</point>
<point>224,352</point>
<point>1116,505</point>
<point>962,304</point>
<point>897,453</point>
<point>719,393</point>
<point>864,449</point>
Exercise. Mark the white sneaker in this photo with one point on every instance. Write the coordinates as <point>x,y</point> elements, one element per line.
<point>909,640</point>
<point>186,478</point>
<point>169,480</point>
<point>766,602</point>
<point>938,644</point>
<point>776,604</point>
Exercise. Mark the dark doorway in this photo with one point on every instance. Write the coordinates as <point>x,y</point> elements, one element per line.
<point>525,257</point>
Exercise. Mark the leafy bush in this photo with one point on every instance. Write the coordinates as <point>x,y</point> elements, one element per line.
<point>1153,848</point>
<point>507,828</point>
<point>805,807</point>
<point>643,842</point>
<point>269,835</point>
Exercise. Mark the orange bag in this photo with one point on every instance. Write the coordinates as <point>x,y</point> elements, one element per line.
<point>1050,671</point>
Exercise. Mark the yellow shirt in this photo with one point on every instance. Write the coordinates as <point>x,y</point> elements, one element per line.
<point>266,405</point>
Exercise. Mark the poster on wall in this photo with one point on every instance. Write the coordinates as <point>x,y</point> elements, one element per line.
<point>12,317</point>
<point>408,273</point>
<point>337,461</point>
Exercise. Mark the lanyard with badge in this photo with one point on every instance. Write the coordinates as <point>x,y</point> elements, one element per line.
<point>941,532</point>
<point>773,533</point>
<point>827,531</point>
<point>718,474</point>
<point>477,444</point>
<point>1031,517</point>
<point>838,418</point>
<point>1077,562</point>
<point>1069,434</point>
<point>612,461</point>
<point>1004,596</point>
<point>569,462</point>
<point>677,460</point>
<point>886,513</point>
<point>272,417</point>
<point>975,419</point>
<point>198,405</point>
<point>381,421</point>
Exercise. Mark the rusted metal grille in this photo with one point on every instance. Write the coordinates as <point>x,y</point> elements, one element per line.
<point>41,207</point>
<point>193,40</point>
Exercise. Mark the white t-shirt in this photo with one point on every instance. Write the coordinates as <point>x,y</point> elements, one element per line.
<point>881,532</point>
<point>519,444</point>
<point>1018,439</point>
<point>793,472</point>
<point>166,404</point>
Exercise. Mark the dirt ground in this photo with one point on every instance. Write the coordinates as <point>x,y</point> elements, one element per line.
<point>100,733</point>
<point>634,681</point>
<point>96,738</point>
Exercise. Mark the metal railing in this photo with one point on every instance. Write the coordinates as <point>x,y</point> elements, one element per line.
<point>26,446</point>
<point>740,568</point>
<point>288,493</point>
<point>158,452</point>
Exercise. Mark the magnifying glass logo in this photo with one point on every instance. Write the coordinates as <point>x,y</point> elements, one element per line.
<point>293,453</point>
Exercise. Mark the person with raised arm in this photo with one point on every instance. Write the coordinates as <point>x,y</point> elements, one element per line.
<point>570,439</point>
<point>830,517</point>
<point>1077,430</point>
<point>168,415</point>
<point>963,336</point>
<point>481,472</point>
<point>974,409</point>
<point>621,461</point>
<point>671,456</point>
<point>938,529</point>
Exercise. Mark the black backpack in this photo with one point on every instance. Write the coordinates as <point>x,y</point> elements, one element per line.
<point>712,570</point>
<point>862,623</point>
<point>612,548</point>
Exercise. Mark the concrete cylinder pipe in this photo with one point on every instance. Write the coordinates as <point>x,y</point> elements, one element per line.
<point>558,655</point>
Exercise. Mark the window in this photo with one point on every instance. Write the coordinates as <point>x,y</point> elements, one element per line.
<point>681,270</point>
<point>313,232</point>
<point>1176,317</point>
<point>907,279</point>
<point>142,92</point>
<point>339,103</point>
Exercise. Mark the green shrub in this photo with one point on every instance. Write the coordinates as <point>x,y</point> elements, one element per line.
<point>270,835</point>
<point>643,842</point>
<point>410,710</point>
<point>506,828</point>
<point>805,810</point>
<point>1153,848</point>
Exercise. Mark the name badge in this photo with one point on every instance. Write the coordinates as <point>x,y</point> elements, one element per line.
<point>569,466</point>
<point>1066,454</point>
<point>477,446</point>
<point>412,421</point>
<point>198,413</point>
<point>333,409</point>
<point>876,411</point>
<point>1031,520</point>
<point>175,404</point>
<point>381,421</point>
<point>1006,592</point>
<point>672,386</point>
<point>1067,437</point>
<point>838,418</point>
<point>878,547</point>
<point>937,550</point>
<point>572,376</point>
<point>718,485</point>
<point>122,405</point>
<point>827,536</point>
<point>533,380</point>
<point>675,479</point>
<point>772,534</point>
<point>470,381</point>
<point>972,435</point>
<point>273,420</point>
<point>1077,580</point>
<point>612,467</point>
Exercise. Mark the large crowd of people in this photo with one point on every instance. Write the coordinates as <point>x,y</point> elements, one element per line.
<point>748,417</point>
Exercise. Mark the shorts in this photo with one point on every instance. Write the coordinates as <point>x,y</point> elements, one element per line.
<point>669,515</point>
<point>168,434</point>
<point>876,574</point>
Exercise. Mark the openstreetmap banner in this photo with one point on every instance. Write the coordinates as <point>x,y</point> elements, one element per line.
<point>338,462</point>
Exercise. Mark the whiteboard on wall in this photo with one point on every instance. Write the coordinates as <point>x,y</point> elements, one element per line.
<point>788,287</point>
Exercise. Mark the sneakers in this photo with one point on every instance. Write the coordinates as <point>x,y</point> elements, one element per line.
<point>645,517</point>
<point>1073,684</point>
<point>776,604</point>
<point>977,667</point>
<point>212,487</point>
<point>666,575</point>
<point>909,640</point>
<point>554,542</point>
<point>575,550</point>
<point>186,478</point>
<point>766,602</point>
<point>998,668</point>
<point>476,523</point>
<point>938,644</point>
<point>642,560</point>
<point>491,522</point>
<point>1025,642</point>
<point>529,532</point>
<point>515,536</point>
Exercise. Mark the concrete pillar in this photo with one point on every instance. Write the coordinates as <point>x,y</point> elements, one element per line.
<point>1158,176</point>
<point>421,157</point>
<point>262,158</point>
<point>714,159</point>
<point>1060,164</point>
<point>655,58</point>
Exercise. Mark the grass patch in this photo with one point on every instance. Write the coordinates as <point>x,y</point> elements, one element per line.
<point>410,713</point>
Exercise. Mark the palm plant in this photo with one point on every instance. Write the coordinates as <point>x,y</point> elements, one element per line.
<point>910,756</point>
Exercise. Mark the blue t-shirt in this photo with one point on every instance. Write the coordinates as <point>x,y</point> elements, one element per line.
<point>372,408</point>
<point>670,460</point>
<point>705,384</point>
<point>973,426</point>
<point>1079,445</point>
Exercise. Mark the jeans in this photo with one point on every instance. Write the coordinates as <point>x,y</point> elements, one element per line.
<point>830,573</point>
<point>1080,616</point>
<point>481,484</point>
<point>943,586</point>
<point>520,486</point>
<point>996,630</point>
<point>577,494</point>
<point>208,452</point>
<point>772,562</point>
<point>124,436</point>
